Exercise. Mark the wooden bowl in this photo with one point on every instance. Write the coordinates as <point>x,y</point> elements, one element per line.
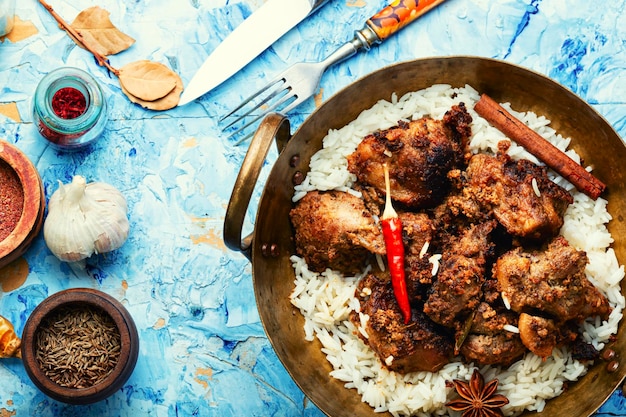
<point>70,301</point>
<point>25,186</point>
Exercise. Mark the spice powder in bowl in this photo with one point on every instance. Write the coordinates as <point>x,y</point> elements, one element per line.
<point>22,203</point>
<point>79,346</point>
<point>11,199</point>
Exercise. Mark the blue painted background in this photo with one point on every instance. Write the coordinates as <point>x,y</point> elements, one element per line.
<point>203,349</point>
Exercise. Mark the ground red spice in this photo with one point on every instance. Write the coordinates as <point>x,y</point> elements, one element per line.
<point>11,199</point>
<point>68,103</point>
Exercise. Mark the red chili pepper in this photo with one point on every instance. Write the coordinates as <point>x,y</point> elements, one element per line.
<point>392,233</point>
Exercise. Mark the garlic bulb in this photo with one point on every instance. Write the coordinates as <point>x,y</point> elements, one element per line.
<point>85,219</point>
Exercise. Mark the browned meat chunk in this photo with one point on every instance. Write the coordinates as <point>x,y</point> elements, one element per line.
<point>417,233</point>
<point>418,346</point>
<point>458,288</point>
<point>334,230</point>
<point>419,277</point>
<point>489,342</point>
<point>581,350</point>
<point>552,281</point>
<point>417,230</point>
<point>540,335</point>
<point>492,349</point>
<point>490,320</point>
<point>509,189</point>
<point>491,293</point>
<point>419,155</point>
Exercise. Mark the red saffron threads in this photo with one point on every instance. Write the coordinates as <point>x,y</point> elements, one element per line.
<point>68,103</point>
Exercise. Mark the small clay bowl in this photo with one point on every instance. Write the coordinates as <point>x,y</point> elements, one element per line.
<point>22,197</point>
<point>78,301</point>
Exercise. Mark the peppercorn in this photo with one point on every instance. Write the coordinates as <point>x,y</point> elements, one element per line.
<point>612,366</point>
<point>609,354</point>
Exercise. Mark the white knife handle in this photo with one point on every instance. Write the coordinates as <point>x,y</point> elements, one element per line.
<point>316,4</point>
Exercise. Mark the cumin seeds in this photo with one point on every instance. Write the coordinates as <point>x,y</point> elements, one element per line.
<point>77,347</point>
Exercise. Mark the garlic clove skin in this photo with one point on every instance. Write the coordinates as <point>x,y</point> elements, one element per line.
<point>85,219</point>
<point>105,216</point>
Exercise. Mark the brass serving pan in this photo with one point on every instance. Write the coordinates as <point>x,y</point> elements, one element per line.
<point>270,244</point>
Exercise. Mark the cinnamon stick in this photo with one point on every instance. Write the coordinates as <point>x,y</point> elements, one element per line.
<point>552,156</point>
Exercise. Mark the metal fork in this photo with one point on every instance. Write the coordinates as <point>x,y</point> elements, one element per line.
<point>297,83</point>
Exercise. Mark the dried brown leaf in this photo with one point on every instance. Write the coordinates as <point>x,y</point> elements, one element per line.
<point>147,80</point>
<point>96,28</point>
<point>164,103</point>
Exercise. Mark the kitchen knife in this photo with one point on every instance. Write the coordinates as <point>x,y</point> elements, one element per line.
<point>255,34</point>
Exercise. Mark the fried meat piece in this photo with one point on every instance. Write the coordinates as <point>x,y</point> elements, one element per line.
<point>419,277</point>
<point>519,193</point>
<point>489,342</point>
<point>334,230</point>
<point>417,346</point>
<point>490,320</point>
<point>419,155</point>
<point>502,349</point>
<point>417,230</point>
<point>550,280</point>
<point>539,334</point>
<point>581,350</point>
<point>457,290</point>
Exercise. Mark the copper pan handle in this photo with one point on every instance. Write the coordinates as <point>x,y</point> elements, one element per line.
<point>276,126</point>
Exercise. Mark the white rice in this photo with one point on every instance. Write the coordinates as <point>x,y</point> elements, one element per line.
<point>326,300</point>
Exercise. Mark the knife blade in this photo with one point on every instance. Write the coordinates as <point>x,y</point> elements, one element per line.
<point>255,34</point>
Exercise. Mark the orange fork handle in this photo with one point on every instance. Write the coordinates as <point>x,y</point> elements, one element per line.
<point>398,14</point>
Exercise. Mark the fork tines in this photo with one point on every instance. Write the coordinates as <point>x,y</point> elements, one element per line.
<point>275,96</point>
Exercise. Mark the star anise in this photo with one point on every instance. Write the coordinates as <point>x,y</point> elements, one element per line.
<point>478,399</point>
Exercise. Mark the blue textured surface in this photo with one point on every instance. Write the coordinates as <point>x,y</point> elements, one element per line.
<point>203,348</point>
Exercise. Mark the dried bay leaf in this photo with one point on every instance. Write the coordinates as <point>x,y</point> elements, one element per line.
<point>150,84</point>
<point>96,28</point>
<point>147,80</point>
<point>164,103</point>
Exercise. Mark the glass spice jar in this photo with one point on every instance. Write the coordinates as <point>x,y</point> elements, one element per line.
<point>69,109</point>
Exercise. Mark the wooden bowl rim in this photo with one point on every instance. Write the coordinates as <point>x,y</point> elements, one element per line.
<point>33,195</point>
<point>75,297</point>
